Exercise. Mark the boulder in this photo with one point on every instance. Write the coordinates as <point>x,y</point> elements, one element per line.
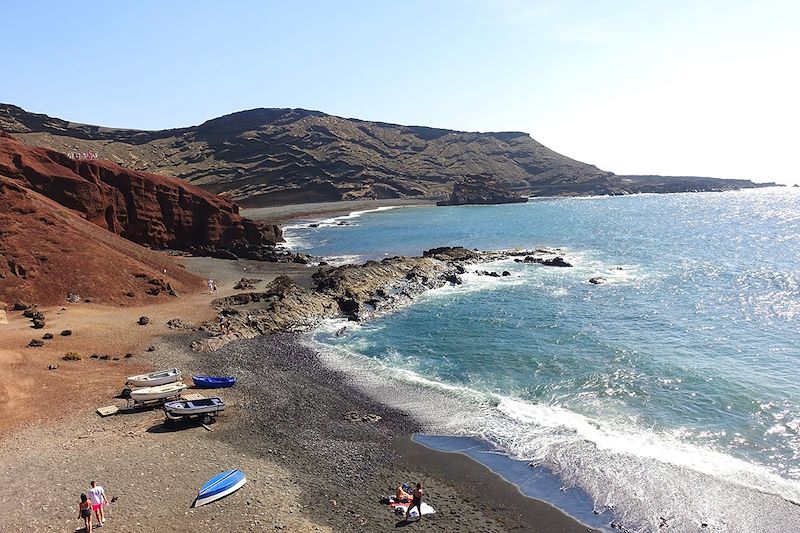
<point>557,261</point>
<point>245,283</point>
<point>451,253</point>
<point>47,336</point>
<point>38,324</point>
<point>66,333</point>
<point>21,306</point>
<point>36,343</point>
<point>597,280</point>
<point>481,192</point>
<point>143,321</point>
<point>506,273</point>
<point>453,278</point>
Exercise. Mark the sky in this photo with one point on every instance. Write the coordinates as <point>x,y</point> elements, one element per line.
<point>704,88</point>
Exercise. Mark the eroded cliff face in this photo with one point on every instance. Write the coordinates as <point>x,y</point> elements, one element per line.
<point>48,252</point>
<point>148,209</point>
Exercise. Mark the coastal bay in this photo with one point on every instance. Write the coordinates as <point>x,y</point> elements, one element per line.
<point>311,465</point>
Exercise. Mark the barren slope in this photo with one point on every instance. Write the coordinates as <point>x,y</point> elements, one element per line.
<point>48,251</point>
<point>279,156</point>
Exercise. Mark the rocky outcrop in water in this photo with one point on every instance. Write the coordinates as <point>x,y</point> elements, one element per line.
<point>481,192</point>
<point>356,292</point>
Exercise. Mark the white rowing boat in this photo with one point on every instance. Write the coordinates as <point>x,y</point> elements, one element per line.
<point>161,377</point>
<point>194,407</point>
<point>160,392</point>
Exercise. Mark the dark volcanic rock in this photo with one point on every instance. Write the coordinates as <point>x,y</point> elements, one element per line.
<point>36,343</point>
<point>481,192</point>
<point>245,283</point>
<point>33,314</point>
<point>47,336</point>
<point>451,253</point>
<point>597,280</point>
<point>38,324</point>
<point>66,333</point>
<point>143,321</point>
<point>556,262</point>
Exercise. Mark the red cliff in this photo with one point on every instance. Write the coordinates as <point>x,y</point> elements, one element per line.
<point>48,252</point>
<point>149,209</point>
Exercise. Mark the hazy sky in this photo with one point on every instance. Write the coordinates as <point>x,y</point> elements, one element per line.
<point>674,87</point>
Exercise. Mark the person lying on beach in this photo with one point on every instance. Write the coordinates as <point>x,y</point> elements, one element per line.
<point>98,497</point>
<point>400,495</point>
<point>85,512</point>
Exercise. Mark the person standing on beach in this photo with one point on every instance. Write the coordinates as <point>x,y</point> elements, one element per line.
<point>98,497</point>
<point>416,501</point>
<point>85,512</point>
<point>210,284</point>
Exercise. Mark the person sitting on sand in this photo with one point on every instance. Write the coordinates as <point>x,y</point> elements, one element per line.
<point>85,512</point>
<point>416,501</point>
<point>400,495</point>
<point>98,497</point>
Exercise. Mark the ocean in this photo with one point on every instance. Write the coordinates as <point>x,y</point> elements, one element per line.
<point>667,395</point>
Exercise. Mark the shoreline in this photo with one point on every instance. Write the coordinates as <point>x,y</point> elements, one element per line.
<point>288,425</point>
<point>282,214</point>
<point>466,494</point>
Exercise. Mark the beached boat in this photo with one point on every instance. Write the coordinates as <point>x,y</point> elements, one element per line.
<point>194,407</point>
<point>213,382</point>
<point>157,393</point>
<point>162,377</point>
<point>220,486</point>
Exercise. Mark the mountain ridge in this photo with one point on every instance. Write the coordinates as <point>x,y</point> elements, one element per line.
<point>274,156</point>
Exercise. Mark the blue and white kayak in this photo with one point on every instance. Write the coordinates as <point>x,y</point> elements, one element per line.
<point>213,382</point>
<point>219,486</point>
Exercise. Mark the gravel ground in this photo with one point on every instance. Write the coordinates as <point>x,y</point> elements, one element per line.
<point>287,427</point>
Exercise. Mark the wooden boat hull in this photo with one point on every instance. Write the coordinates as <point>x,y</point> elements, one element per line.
<point>158,393</point>
<point>153,379</point>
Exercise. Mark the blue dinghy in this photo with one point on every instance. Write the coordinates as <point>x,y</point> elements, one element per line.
<point>213,382</point>
<point>219,486</point>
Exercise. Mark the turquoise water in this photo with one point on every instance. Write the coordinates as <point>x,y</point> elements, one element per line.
<point>683,367</point>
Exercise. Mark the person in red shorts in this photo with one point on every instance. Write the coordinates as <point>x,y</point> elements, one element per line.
<point>98,498</point>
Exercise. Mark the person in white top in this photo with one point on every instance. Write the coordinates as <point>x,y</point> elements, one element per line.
<point>98,498</point>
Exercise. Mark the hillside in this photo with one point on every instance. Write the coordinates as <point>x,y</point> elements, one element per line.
<point>48,252</point>
<point>148,209</point>
<point>267,157</point>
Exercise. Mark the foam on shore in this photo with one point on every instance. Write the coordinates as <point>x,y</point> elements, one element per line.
<point>637,474</point>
